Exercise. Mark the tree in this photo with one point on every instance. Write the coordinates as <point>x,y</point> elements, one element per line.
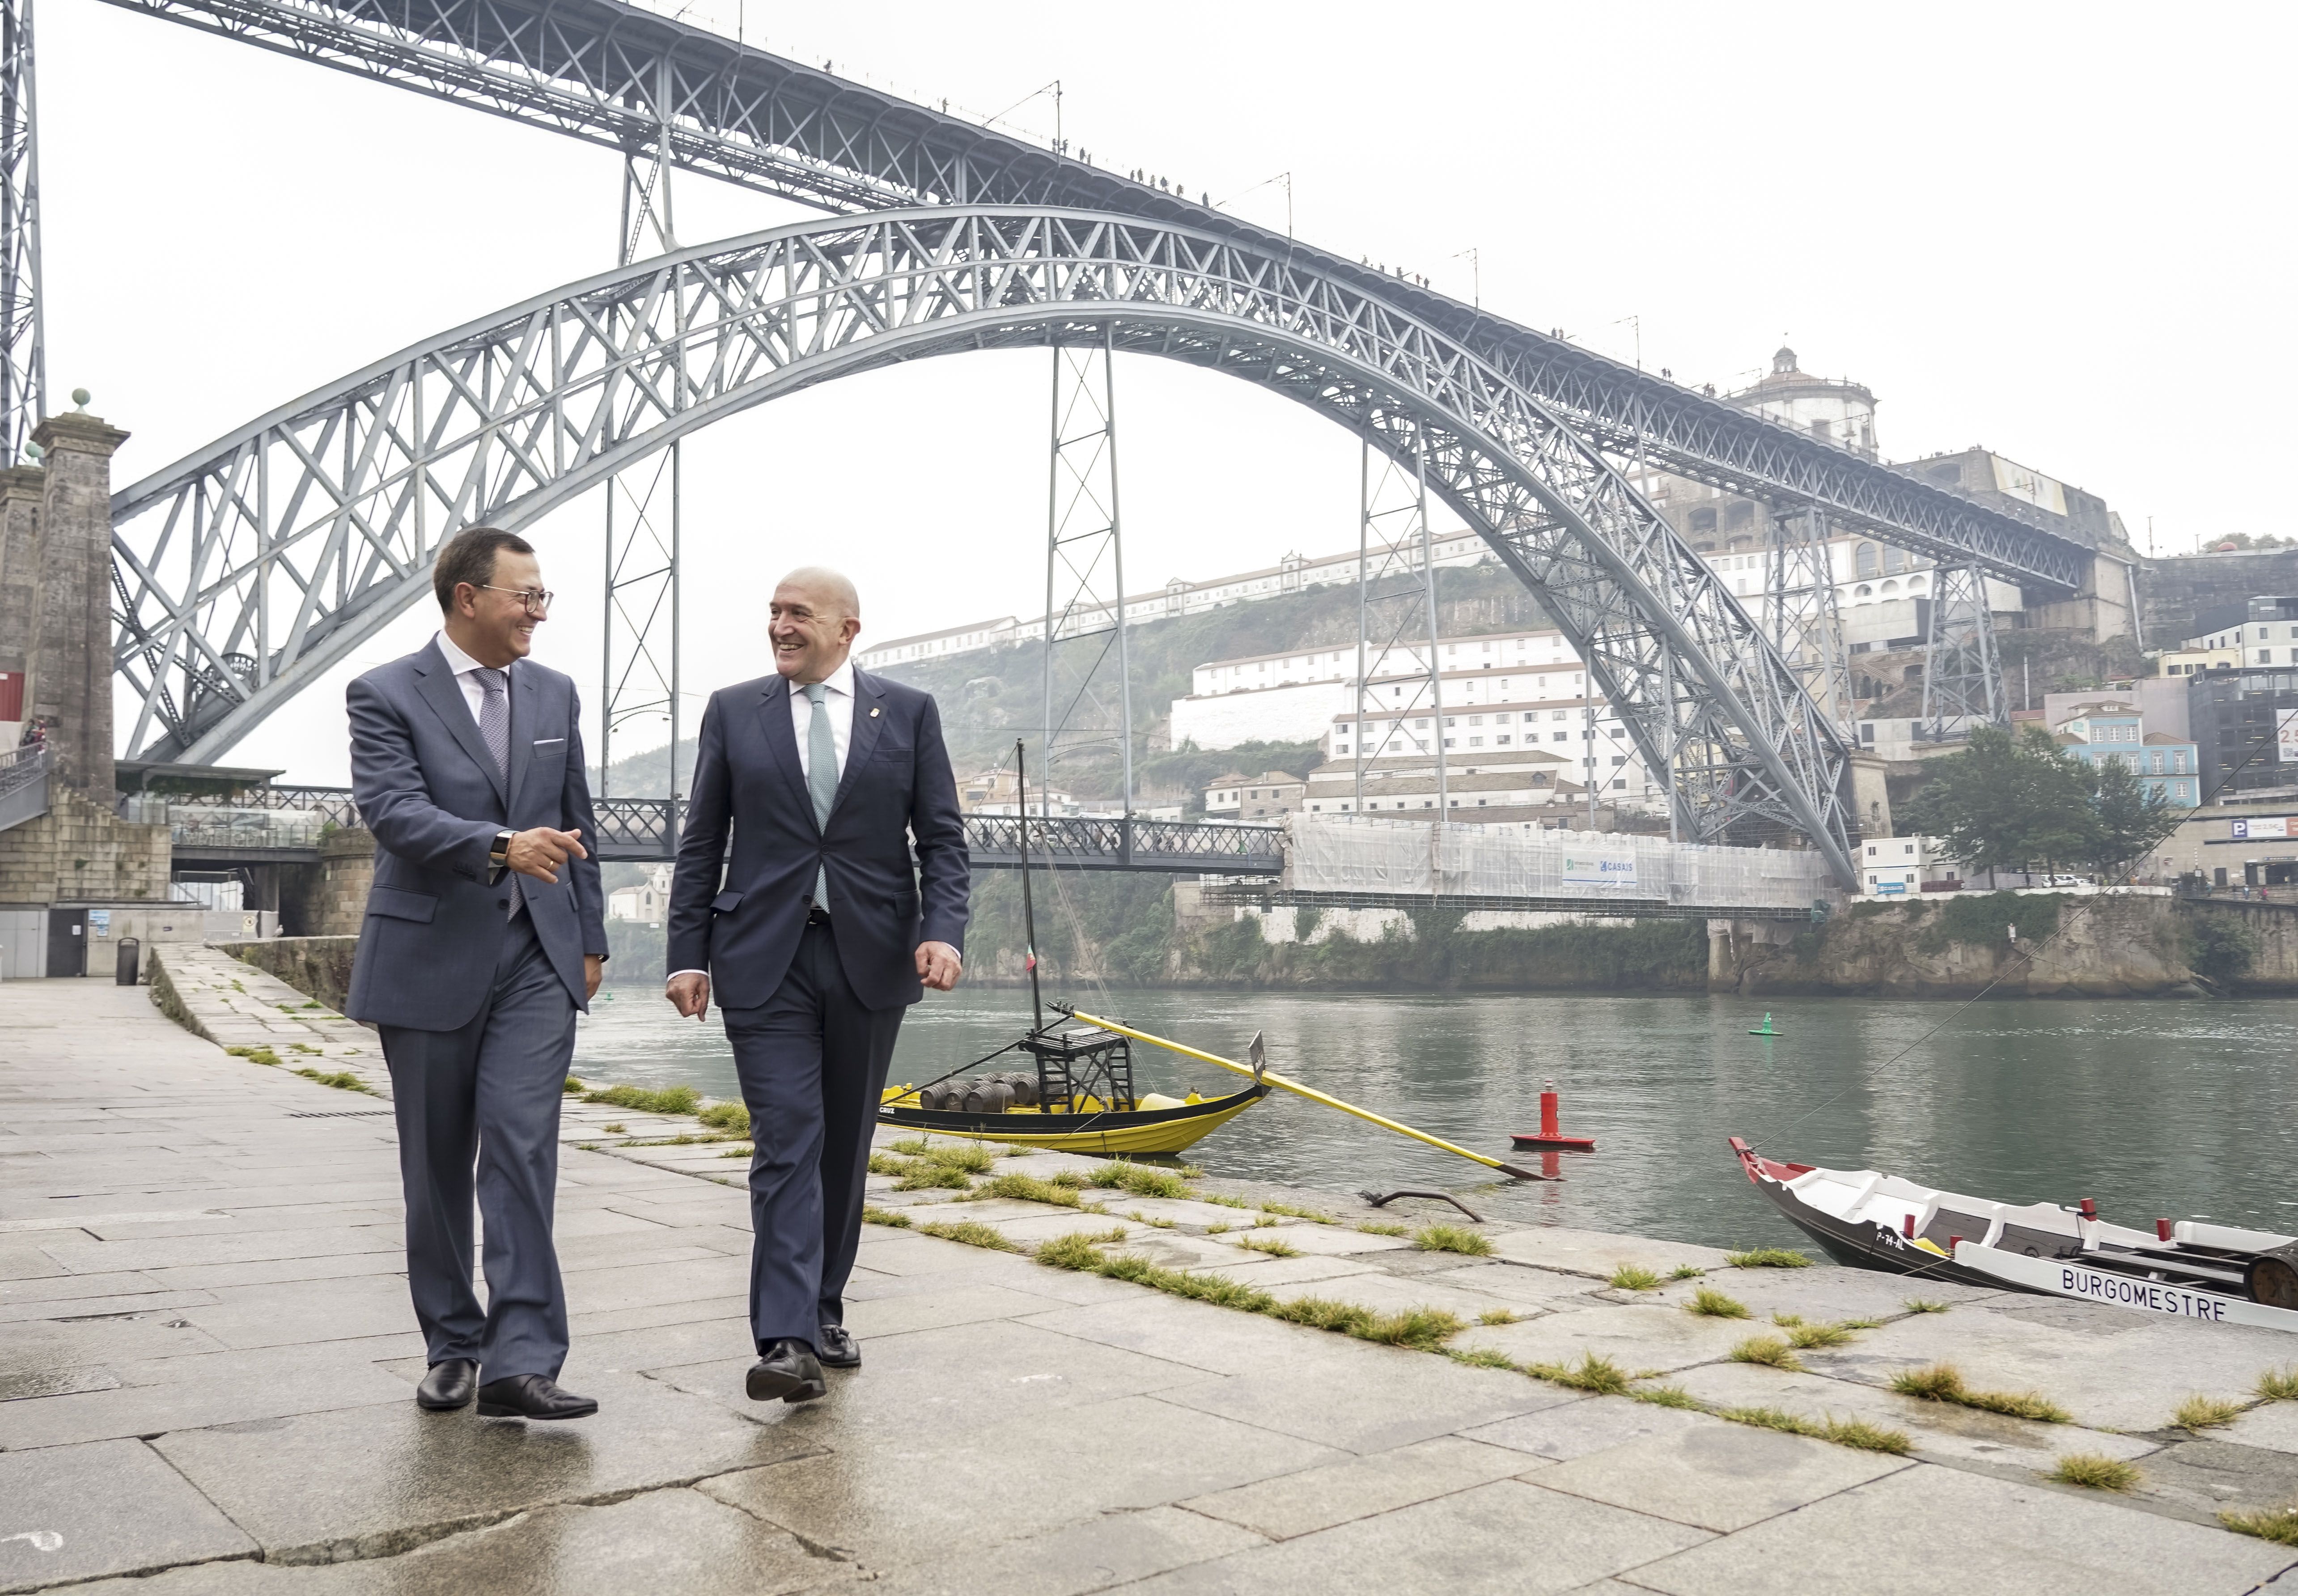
<point>2010,803</point>
<point>2131,818</point>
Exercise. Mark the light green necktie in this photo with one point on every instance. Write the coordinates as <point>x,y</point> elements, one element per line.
<point>821,778</point>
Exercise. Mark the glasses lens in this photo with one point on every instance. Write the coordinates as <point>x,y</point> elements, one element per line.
<point>538,601</point>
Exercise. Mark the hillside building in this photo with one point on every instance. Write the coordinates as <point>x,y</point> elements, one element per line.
<point>1267,797</point>
<point>2115,728</point>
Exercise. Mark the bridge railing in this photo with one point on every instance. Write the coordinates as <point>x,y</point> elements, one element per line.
<point>646,829</point>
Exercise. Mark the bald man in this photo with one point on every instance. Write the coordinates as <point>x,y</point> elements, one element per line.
<point>820,933</point>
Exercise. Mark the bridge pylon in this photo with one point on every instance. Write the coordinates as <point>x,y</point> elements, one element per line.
<point>1399,694</point>
<point>1088,691</point>
<point>23,338</point>
<point>1963,673</point>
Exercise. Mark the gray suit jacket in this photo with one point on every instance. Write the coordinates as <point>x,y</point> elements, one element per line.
<point>429,790</point>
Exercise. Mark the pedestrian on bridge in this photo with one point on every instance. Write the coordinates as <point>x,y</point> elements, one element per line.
<point>819,935</point>
<point>485,930</point>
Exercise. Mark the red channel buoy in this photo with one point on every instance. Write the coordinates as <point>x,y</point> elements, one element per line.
<point>1548,1135</point>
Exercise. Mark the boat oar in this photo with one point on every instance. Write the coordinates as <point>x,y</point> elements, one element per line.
<point>1263,1073</point>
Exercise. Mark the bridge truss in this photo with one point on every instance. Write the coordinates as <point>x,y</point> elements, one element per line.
<point>252,565</point>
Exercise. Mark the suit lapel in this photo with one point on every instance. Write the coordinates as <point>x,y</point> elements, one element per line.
<point>445,696</point>
<point>781,742</point>
<point>521,721</point>
<point>862,741</point>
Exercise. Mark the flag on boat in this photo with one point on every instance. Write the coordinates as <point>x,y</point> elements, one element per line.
<point>1030,962</point>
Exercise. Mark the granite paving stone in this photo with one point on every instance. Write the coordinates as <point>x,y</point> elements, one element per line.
<point>1093,1555</point>
<point>1723,1477</point>
<point>1509,1538</point>
<point>1637,1337</point>
<point>1924,1529</point>
<point>1576,1428</point>
<point>110,1506</point>
<point>1391,1398</point>
<point>1315,1498</point>
<point>1598,1254</point>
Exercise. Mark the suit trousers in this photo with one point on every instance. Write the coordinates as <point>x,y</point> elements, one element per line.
<point>812,1063</point>
<point>486,1095</point>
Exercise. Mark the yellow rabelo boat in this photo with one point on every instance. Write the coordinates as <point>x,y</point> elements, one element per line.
<point>1081,1097</point>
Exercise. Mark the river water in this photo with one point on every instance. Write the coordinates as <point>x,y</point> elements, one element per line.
<point>2189,1110</point>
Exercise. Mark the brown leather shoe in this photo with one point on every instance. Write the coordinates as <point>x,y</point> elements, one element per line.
<point>789,1370</point>
<point>447,1384</point>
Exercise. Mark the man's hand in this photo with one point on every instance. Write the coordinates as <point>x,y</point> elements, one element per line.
<point>594,971</point>
<point>689,993</point>
<point>938,965</point>
<point>539,852</point>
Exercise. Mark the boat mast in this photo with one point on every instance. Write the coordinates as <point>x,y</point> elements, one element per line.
<point>1028,916</point>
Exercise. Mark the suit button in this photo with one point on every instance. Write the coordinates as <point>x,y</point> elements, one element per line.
<point>502,902</point>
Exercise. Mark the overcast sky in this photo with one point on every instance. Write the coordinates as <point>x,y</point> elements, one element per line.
<point>2059,231</point>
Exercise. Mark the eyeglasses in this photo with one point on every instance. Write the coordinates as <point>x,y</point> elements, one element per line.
<point>536,600</point>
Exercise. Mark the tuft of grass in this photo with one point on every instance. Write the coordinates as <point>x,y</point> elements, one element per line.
<point>1496,1315</point>
<point>616,1128</point>
<point>1805,1337</point>
<point>1291,1212</point>
<point>1482,1357</point>
<point>1684,1271</point>
<point>922,1176</point>
<point>972,1234</point>
<point>254,1055</point>
<point>1715,1304</point>
<point>1769,1350</point>
<point>573,1088</point>
<point>1276,1246</point>
<point>1943,1383</point>
<point>343,1081</point>
<point>1070,1178</point>
<point>1216,1230</point>
<point>1925,1305</point>
<point>884,1163</point>
<point>742,1150</point>
<point>727,1116</point>
<point>1425,1328</point>
<point>2198,1413</point>
<point>1665,1396</point>
<point>302,1047</point>
<point>1632,1276</point>
<point>1452,1238</point>
<point>972,1157</point>
<point>665,1100</point>
<point>1380,1228</point>
<point>1855,1433</point>
<point>2278,1385</point>
<point>1141,1179</point>
<point>1769,1258</point>
<point>1028,1188</point>
<point>2270,1524</point>
<point>1591,1373</point>
<point>1861,1324</point>
<point>2094,1471</point>
<point>885,1216</point>
<point>1225,1200</point>
<point>1074,1250</point>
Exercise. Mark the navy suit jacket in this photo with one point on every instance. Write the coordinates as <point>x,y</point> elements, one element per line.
<point>429,790</point>
<point>896,787</point>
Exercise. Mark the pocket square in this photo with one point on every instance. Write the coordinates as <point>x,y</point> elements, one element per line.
<point>546,745</point>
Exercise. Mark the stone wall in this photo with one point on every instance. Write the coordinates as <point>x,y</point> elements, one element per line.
<point>318,967</point>
<point>329,898</point>
<point>79,852</point>
<point>2177,591</point>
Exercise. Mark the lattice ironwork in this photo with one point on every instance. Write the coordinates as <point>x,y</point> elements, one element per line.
<point>1086,667</point>
<point>1962,675</point>
<point>252,566</point>
<point>1400,683</point>
<point>1801,613</point>
<point>615,75</point>
<point>23,338</point>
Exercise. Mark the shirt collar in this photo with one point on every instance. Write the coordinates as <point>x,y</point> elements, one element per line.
<point>458,663</point>
<point>840,680</point>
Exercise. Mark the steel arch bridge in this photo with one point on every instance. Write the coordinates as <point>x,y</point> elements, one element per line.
<point>248,568</point>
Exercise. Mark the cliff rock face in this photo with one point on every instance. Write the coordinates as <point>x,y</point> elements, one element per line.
<point>2067,945</point>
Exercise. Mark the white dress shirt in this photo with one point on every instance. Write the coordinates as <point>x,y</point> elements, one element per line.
<point>466,669</point>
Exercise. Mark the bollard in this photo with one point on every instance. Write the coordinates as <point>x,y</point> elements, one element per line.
<point>131,948</point>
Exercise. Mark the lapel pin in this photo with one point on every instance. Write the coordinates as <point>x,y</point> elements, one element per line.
<point>873,712</point>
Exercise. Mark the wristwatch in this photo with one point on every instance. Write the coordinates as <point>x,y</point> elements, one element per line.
<point>499,856</point>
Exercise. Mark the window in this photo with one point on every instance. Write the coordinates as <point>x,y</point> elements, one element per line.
<point>1474,720</point>
<point>1473,742</point>
<point>1502,739</point>
<point>1619,760</point>
<point>1864,560</point>
<point>1559,737</point>
<point>1703,520</point>
<point>1895,560</point>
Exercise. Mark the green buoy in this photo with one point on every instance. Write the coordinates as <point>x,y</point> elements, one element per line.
<point>1767,1029</point>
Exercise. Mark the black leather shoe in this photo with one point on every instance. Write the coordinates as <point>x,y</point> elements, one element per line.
<point>789,1370</point>
<point>446,1386</point>
<point>837,1348</point>
<point>532,1396</point>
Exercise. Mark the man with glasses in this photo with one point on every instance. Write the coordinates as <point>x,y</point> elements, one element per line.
<point>485,930</point>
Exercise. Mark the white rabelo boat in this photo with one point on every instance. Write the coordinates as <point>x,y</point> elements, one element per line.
<point>2185,1270</point>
